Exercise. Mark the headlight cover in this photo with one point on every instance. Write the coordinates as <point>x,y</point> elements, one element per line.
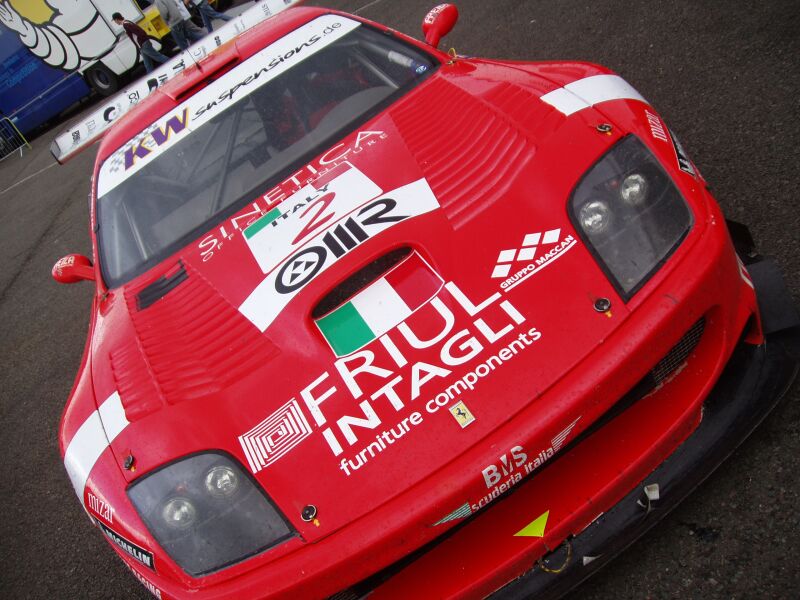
<point>207,513</point>
<point>631,215</point>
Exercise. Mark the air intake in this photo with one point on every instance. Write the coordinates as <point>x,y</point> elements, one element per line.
<point>161,287</point>
<point>675,358</point>
<point>358,281</point>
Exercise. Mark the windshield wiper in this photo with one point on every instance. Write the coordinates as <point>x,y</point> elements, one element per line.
<point>226,159</point>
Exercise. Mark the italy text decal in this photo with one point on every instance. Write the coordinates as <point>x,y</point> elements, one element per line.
<point>313,208</point>
<point>381,306</point>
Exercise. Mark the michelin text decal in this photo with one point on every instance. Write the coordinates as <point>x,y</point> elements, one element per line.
<point>136,552</point>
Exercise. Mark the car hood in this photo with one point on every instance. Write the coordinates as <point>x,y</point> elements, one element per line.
<point>388,306</point>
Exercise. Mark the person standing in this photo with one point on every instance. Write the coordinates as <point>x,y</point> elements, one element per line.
<point>142,41</point>
<point>207,13</point>
<point>179,21</point>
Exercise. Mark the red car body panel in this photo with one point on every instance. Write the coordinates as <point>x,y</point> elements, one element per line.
<point>193,373</point>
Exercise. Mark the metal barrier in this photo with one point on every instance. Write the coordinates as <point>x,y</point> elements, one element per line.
<point>10,138</point>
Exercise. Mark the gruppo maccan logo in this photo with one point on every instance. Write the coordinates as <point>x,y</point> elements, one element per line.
<point>536,251</point>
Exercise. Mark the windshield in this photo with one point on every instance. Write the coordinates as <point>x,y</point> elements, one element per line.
<point>215,152</point>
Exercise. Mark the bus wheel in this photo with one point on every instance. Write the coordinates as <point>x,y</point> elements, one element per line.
<point>102,79</point>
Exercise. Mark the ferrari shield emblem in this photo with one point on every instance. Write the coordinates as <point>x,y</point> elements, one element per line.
<point>462,414</point>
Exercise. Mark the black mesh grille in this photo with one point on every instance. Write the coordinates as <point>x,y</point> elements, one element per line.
<point>345,595</point>
<point>679,353</point>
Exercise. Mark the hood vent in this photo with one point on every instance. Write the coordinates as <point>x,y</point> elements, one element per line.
<point>161,287</point>
<point>192,342</point>
<point>358,281</point>
<point>470,155</point>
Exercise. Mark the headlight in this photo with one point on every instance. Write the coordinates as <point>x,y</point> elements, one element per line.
<point>630,214</point>
<point>595,217</point>
<point>206,513</point>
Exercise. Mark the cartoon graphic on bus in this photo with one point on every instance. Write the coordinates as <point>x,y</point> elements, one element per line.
<point>66,34</point>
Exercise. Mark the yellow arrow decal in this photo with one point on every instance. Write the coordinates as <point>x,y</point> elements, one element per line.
<point>535,528</point>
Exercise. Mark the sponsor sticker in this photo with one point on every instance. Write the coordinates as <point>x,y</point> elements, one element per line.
<point>382,305</point>
<point>657,129</point>
<point>275,436</point>
<point>462,414</point>
<point>462,512</point>
<point>511,467</point>
<point>150,587</point>
<point>138,553</point>
<point>359,425</point>
<point>85,132</point>
<point>285,228</point>
<point>309,175</point>
<point>101,508</point>
<point>324,244</point>
<point>537,251</point>
<point>684,163</point>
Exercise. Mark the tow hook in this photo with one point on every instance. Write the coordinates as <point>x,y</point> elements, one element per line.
<point>649,497</point>
<point>544,562</point>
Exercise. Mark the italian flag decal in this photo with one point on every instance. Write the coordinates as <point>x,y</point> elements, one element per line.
<point>379,307</point>
<point>262,222</point>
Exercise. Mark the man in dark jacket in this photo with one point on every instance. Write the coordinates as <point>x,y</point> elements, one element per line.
<point>142,41</point>
<point>207,13</point>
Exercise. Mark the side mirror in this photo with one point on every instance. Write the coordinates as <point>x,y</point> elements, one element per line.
<point>73,268</point>
<point>438,23</point>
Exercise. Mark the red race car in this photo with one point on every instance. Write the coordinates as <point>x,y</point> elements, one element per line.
<point>375,319</point>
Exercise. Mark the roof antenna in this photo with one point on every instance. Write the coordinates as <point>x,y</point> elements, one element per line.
<point>197,64</point>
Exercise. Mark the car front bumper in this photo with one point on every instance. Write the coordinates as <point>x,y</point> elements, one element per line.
<point>592,491</point>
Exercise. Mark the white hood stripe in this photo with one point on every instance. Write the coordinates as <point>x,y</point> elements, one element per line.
<point>589,91</point>
<point>92,438</point>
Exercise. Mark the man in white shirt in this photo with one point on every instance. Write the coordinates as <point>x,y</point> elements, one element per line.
<point>179,20</point>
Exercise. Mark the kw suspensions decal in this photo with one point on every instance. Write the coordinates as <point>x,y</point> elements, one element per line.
<point>86,131</point>
<point>221,94</point>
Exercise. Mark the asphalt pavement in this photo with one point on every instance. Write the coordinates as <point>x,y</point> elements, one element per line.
<point>724,75</point>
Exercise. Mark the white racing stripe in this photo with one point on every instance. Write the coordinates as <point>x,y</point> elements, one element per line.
<point>92,438</point>
<point>589,91</point>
